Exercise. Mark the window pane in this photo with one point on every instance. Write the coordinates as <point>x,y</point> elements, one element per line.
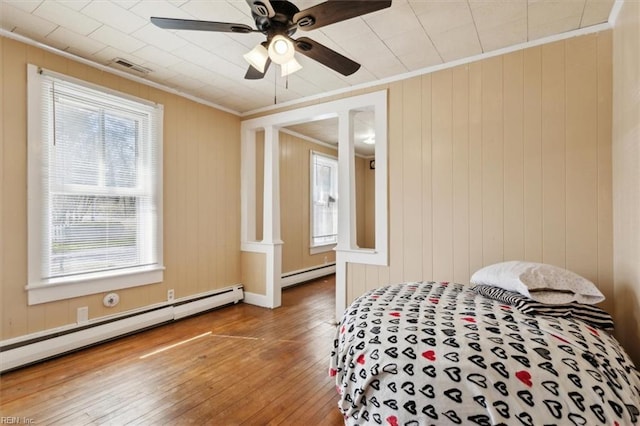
<point>121,149</point>
<point>323,181</point>
<point>77,144</point>
<point>92,233</point>
<point>325,206</point>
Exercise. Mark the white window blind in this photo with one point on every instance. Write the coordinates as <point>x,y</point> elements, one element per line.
<point>324,211</point>
<point>94,187</point>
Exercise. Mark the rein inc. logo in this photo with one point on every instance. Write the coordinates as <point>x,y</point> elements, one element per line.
<point>16,420</point>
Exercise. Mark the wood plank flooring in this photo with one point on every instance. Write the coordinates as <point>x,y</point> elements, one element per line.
<point>245,365</point>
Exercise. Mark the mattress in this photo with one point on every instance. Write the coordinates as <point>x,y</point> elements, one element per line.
<point>439,353</point>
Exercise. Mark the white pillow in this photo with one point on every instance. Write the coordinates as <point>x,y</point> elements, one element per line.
<point>539,281</point>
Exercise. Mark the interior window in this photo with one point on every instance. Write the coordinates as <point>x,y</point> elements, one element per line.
<point>324,212</point>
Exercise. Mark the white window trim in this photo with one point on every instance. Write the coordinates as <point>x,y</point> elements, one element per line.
<point>48,290</point>
<point>322,247</point>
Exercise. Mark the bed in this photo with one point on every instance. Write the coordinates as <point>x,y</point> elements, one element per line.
<point>442,353</point>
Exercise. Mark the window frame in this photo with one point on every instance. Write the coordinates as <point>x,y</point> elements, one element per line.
<point>41,289</point>
<point>325,246</point>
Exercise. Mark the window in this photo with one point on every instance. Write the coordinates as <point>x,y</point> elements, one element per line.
<point>324,209</point>
<point>95,208</point>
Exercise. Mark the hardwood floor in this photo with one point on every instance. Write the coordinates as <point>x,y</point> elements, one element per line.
<point>236,365</point>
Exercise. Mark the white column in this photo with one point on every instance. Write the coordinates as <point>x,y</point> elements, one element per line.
<point>346,183</point>
<point>346,206</point>
<point>271,216</point>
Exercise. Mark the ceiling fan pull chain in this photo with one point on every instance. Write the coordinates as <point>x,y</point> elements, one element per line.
<point>275,88</point>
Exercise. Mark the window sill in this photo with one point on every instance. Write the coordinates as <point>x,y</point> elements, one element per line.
<point>67,288</point>
<point>322,249</point>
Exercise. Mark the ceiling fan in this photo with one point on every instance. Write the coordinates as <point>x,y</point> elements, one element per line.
<point>278,20</point>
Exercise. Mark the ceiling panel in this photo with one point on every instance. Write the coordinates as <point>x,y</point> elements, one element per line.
<point>118,17</point>
<point>60,14</point>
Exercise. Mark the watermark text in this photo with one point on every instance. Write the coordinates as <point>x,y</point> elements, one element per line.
<point>16,420</point>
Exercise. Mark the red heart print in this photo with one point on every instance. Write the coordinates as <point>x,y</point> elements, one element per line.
<point>525,377</point>
<point>469,319</point>
<point>395,314</point>
<point>430,355</point>
<point>332,372</point>
<point>392,420</point>
<point>434,300</point>
<point>361,359</point>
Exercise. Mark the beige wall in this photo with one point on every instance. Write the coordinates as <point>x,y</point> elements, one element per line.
<point>365,204</point>
<point>201,196</point>
<point>505,158</point>
<point>295,186</point>
<point>626,176</point>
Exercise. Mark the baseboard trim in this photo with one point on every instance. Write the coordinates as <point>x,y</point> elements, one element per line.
<point>16,353</point>
<point>257,299</point>
<point>303,275</point>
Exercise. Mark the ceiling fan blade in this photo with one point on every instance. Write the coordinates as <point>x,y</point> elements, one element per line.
<point>262,8</point>
<point>254,74</point>
<point>333,11</point>
<point>190,24</point>
<point>326,56</point>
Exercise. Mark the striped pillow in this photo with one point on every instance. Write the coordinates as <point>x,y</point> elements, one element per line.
<point>590,314</point>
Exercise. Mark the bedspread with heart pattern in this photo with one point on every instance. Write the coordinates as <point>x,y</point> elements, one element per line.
<point>438,353</point>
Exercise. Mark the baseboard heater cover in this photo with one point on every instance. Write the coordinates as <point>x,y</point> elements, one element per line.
<point>302,275</point>
<point>29,351</point>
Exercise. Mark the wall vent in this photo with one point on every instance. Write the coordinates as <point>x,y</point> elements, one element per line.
<point>123,63</point>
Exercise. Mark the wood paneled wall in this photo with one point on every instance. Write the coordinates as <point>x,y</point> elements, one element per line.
<point>365,204</point>
<point>626,176</point>
<point>295,203</point>
<point>201,196</point>
<point>504,158</point>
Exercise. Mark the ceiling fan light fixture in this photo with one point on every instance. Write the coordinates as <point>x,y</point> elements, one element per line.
<point>290,67</point>
<point>281,49</point>
<point>257,57</point>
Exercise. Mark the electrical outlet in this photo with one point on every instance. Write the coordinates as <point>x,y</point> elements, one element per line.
<point>170,295</point>
<point>82,315</point>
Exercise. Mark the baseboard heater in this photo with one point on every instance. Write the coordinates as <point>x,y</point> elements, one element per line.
<point>16,353</point>
<point>302,275</point>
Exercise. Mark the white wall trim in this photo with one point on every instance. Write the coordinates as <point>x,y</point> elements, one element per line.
<point>347,248</point>
<point>615,12</point>
<point>431,69</point>
<point>38,346</point>
<point>119,73</point>
<point>427,70</point>
<point>302,275</point>
<point>257,299</point>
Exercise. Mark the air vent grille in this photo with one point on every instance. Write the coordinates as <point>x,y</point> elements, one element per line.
<point>123,63</point>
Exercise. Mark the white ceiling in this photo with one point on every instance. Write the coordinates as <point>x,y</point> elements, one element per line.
<point>409,36</point>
